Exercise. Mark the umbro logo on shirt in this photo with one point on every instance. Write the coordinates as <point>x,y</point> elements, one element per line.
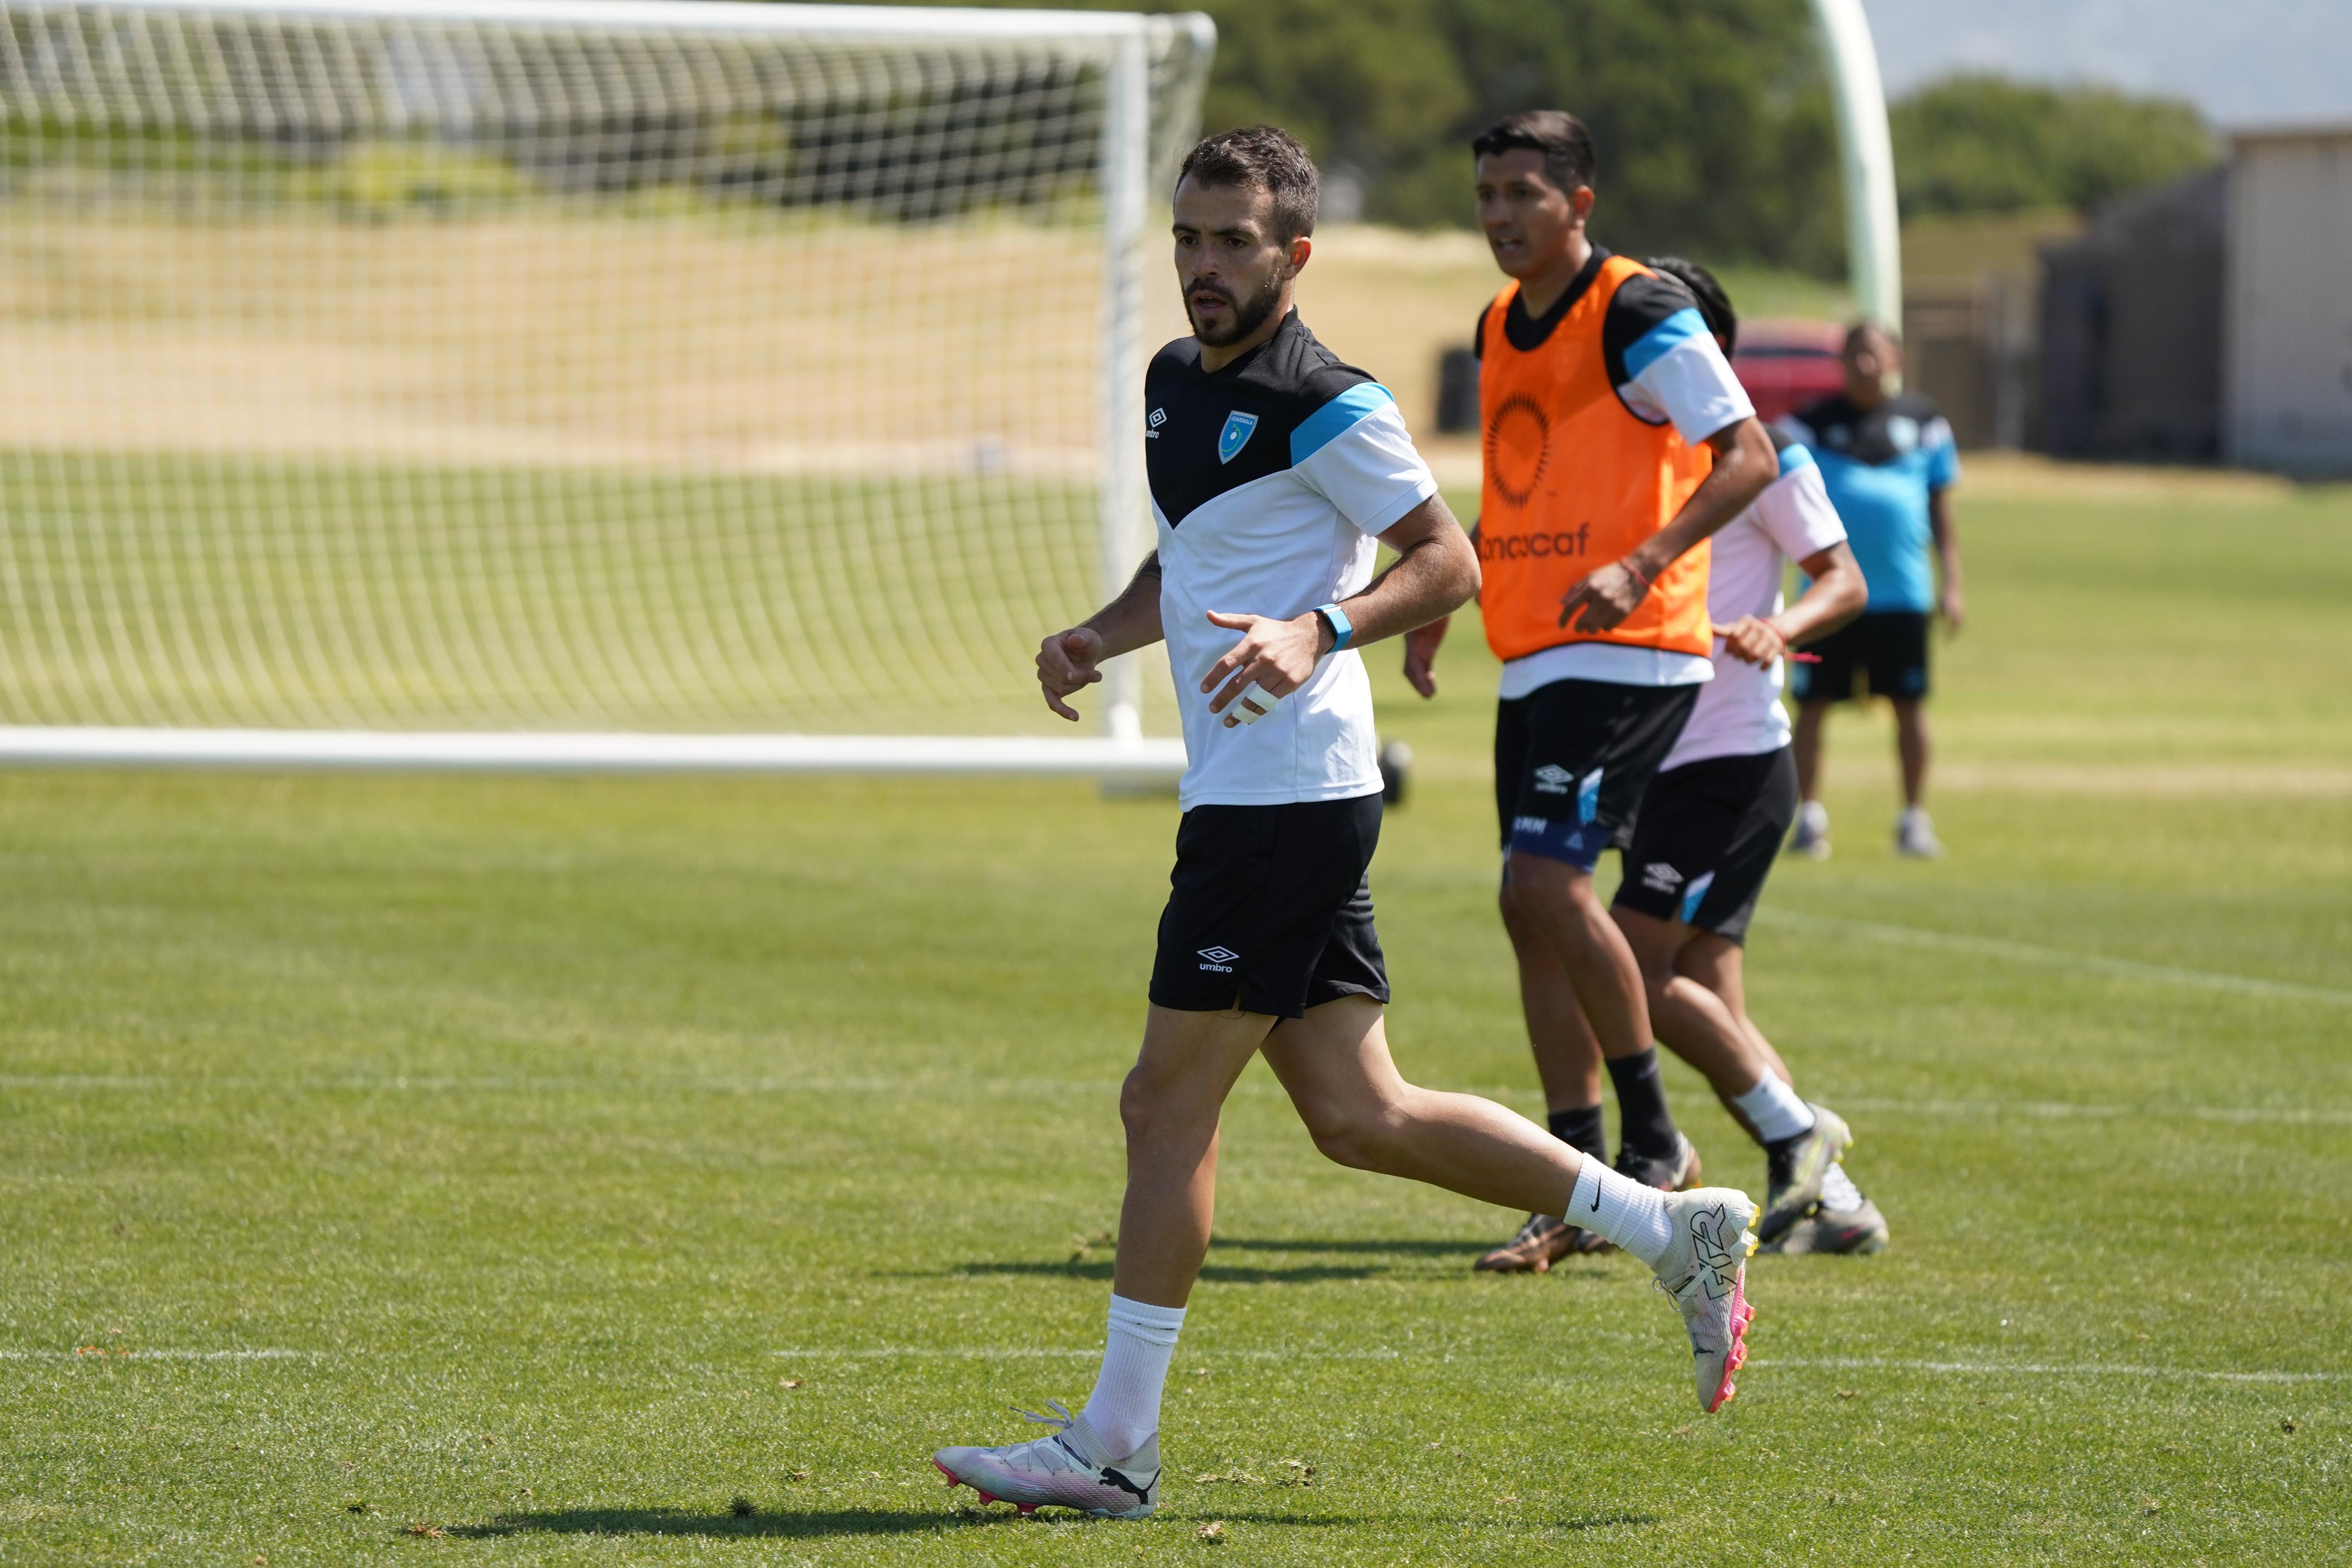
<point>1159,417</point>
<point>1551,778</point>
<point>1221,959</point>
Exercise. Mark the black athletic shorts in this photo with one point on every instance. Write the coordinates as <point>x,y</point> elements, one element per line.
<point>1706,840</point>
<point>1270,909</point>
<point>1889,646</point>
<point>1572,759</point>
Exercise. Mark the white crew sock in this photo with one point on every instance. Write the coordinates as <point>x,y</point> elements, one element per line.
<point>1124,1408</point>
<point>1621,1210</point>
<point>1775,1109</point>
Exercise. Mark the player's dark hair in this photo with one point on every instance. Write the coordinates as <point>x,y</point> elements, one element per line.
<point>1560,136</point>
<point>1264,158</point>
<point>1863,327</point>
<point>1714,304</point>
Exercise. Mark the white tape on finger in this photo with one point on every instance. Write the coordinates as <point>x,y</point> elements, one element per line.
<point>1255,703</point>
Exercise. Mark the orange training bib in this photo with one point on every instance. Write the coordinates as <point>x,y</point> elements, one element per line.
<point>1573,480</point>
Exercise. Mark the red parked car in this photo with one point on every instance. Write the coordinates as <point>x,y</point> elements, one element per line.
<point>1785,365</point>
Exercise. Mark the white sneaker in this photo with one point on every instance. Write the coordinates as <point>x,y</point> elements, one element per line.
<point>1066,1469</point>
<point>1915,835</point>
<point>1704,1271</point>
<point>1811,838</point>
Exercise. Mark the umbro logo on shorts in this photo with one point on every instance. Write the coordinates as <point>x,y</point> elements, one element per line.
<point>1159,417</point>
<point>1660,877</point>
<point>1221,959</point>
<point>1551,778</point>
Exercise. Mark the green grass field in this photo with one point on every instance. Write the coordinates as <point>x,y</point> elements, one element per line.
<point>551,1163</point>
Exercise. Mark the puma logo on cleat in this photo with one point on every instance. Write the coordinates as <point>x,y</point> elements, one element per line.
<point>1140,1493</point>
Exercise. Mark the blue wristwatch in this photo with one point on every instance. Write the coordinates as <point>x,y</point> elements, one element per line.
<point>1342,627</point>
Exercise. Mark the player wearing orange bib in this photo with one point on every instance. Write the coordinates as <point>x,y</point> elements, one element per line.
<point>1617,440</point>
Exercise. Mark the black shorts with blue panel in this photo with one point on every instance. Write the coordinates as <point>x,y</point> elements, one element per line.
<point>1573,759</point>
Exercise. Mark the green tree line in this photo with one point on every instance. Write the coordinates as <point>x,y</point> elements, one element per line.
<point>1712,118</point>
<point>1975,143</point>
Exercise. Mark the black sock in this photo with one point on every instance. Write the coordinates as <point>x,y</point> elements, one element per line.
<point>1581,1130</point>
<point>1643,1123</point>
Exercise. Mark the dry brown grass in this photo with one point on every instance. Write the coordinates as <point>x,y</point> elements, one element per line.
<point>742,345</point>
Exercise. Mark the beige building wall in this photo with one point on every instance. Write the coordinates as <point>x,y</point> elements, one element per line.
<point>2287,329</point>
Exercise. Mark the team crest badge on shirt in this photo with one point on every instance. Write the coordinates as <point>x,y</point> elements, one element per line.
<point>1902,432</point>
<point>1236,435</point>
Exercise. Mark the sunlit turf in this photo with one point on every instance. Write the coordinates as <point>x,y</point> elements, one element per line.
<point>587,1155</point>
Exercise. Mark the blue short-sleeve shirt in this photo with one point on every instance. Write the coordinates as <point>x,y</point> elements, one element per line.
<point>1880,466</point>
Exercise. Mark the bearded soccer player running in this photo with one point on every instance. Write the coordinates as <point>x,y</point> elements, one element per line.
<point>1274,468</point>
<point>1617,441</point>
<point>1711,823</point>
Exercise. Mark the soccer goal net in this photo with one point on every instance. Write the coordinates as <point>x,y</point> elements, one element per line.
<point>589,382</point>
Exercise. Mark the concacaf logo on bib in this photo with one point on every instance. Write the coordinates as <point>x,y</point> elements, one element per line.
<point>1236,435</point>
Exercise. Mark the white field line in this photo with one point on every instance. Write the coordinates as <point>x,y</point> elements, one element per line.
<point>2061,1110</point>
<point>71,1083</point>
<point>112,1356</point>
<point>404,1084</point>
<point>2042,1369</point>
<point>2061,958</point>
<point>1065,1352</point>
<point>1839,1364</point>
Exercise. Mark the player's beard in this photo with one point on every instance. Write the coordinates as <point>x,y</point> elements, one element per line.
<point>1248,315</point>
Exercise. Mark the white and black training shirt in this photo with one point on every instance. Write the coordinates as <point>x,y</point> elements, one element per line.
<point>1739,712</point>
<point>1270,478</point>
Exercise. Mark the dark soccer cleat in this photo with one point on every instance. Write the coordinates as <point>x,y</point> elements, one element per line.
<point>1541,1242</point>
<point>1796,1168</point>
<point>1839,1230</point>
<point>1679,1174</point>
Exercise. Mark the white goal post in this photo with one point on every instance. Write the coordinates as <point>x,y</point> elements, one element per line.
<point>1873,233</point>
<point>574,383</point>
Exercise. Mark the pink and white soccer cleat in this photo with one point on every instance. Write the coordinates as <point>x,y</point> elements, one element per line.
<point>1705,1271</point>
<point>1066,1469</point>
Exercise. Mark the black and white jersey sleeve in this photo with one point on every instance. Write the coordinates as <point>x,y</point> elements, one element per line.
<point>1271,478</point>
<point>1665,364</point>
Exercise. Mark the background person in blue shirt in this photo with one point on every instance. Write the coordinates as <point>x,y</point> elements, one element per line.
<point>1889,465</point>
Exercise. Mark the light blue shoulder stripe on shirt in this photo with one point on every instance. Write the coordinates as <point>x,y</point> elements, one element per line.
<point>1794,457</point>
<point>1663,339</point>
<point>1321,428</point>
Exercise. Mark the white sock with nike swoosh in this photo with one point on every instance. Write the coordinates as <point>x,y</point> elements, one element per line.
<point>1621,1210</point>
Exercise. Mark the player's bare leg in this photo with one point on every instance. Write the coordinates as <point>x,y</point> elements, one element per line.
<point>1568,1061</point>
<point>1846,1221</point>
<point>1170,1105</point>
<point>1813,835</point>
<point>1335,1065</point>
<point>1553,902</point>
<point>1914,834</point>
<point>1801,1142</point>
<point>1718,964</point>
